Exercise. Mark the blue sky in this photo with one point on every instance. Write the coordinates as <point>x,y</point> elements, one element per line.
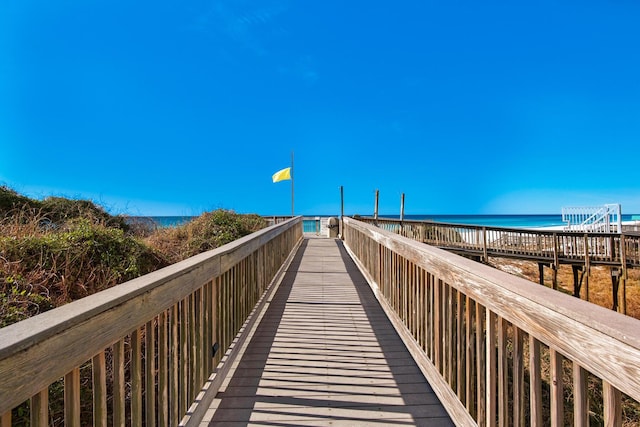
<point>174,108</point>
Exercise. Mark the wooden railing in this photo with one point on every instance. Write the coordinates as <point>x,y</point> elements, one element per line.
<point>143,352</point>
<point>555,247</point>
<point>497,350</point>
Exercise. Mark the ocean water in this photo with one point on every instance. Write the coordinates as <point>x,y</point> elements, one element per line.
<point>516,221</point>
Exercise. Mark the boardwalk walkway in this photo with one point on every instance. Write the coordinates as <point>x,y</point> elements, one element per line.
<point>325,354</point>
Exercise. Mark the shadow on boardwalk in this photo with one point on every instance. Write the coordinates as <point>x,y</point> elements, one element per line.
<point>326,354</point>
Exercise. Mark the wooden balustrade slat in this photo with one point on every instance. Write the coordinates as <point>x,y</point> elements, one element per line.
<point>183,375</point>
<point>72,398</point>
<point>174,372</point>
<point>39,409</point>
<point>518,377</point>
<point>163,370</point>
<point>491,369</point>
<point>469,307</point>
<point>557,389</point>
<point>503,373</point>
<point>580,397</point>
<point>481,360</point>
<point>99,368</point>
<point>612,405</point>
<point>535,382</point>
<point>150,373</point>
<point>5,419</point>
<point>136,378</point>
<point>118,369</point>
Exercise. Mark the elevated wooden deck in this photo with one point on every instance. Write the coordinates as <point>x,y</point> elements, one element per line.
<point>325,354</point>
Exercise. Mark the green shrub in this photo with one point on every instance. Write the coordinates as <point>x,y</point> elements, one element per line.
<point>59,210</point>
<point>208,231</point>
<point>78,260</point>
<point>11,200</point>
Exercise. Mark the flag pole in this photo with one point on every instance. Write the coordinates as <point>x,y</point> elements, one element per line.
<point>292,176</point>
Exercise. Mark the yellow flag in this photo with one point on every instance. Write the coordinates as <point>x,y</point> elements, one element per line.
<point>282,175</point>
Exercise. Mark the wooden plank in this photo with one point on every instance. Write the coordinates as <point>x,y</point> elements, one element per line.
<point>174,373</point>
<point>491,369</point>
<point>450,334</point>
<point>339,389</point>
<point>163,370</point>
<point>183,378</point>
<point>460,346</point>
<point>198,411</point>
<point>556,384</point>
<point>503,374</point>
<point>150,373</point>
<point>580,397</point>
<point>72,398</point>
<point>136,378</point>
<point>469,355</point>
<point>39,409</point>
<point>481,360</point>
<point>612,405</point>
<point>437,324</point>
<point>535,382</point>
<point>99,371</point>
<point>5,419</point>
<point>119,401</point>
<point>518,377</point>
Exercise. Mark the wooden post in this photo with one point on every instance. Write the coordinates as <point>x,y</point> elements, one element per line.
<point>342,212</point>
<point>556,261</point>
<point>292,176</point>
<point>402,207</point>
<point>615,285</point>
<point>623,276</point>
<point>541,272</point>
<point>375,207</point>
<point>587,266</point>
<point>484,244</point>
<point>39,409</point>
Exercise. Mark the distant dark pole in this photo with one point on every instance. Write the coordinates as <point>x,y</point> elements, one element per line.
<point>402,207</point>
<point>292,173</point>
<point>375,206</point>
<point>342,212</point>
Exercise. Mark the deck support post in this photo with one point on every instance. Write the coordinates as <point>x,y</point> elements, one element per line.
<point>616,276</point>
<point>541,272</point>
<point>578,275</point>
<point>624,276</point>
<point>587,265</point>
<point>554,270</point>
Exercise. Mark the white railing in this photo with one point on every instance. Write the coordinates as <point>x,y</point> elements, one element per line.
<point>606,219</point>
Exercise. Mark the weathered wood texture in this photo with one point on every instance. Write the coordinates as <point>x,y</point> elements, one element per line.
<point>168,320</point>
<point>554,247</point>
<point>324,353</point>
<point>500,310</point>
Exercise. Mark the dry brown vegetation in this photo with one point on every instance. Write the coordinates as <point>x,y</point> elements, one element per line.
<point>600,292</point>
<point>59,250</point>
<point>600,286</point>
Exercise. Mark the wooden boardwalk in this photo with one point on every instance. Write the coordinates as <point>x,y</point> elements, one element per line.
<point>325,353</point>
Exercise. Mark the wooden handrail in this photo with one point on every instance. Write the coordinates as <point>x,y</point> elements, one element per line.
<point>473,329</point>
<point>178,314</point>
<point>563,247</point>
